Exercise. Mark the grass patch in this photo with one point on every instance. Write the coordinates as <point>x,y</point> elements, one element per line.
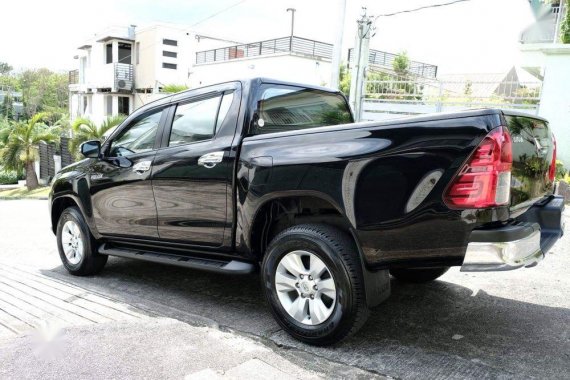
<point>22,192</point>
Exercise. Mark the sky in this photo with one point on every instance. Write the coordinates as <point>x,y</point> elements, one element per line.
<point>476,36</point>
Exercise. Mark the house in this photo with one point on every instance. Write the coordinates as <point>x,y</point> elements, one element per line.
<point>122,68</point>
<point>544,53</point>
<point>16,96</point>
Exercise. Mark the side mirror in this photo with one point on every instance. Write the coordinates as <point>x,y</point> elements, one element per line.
<point>91,148</point>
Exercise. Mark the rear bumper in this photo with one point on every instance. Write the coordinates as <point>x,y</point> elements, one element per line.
<point>522,243</point>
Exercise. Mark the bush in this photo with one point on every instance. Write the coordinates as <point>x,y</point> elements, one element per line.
<point>561,171</point>
<point>8,178</point>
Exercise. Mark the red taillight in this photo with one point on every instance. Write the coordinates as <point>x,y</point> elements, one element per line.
<point>485,180</point>
<point>552,170</point>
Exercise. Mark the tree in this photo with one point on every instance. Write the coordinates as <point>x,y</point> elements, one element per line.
<point>5,68</point>
<point>21,146</point>
<point>401,64</point>
<point>85,129</point>
<point>7,107</point>
<point>43,91</point>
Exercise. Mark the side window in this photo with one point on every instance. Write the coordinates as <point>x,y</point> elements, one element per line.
<point>138,137</point>
<point>194,121</point>
<point>287,108</point>
<point>224,109</point>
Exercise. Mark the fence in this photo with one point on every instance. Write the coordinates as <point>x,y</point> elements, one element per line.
<point>48,167</point>
<point>384,59</point>
<point>393,98</point>
<point>296,45</point>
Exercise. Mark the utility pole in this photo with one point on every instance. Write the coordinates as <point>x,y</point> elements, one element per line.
<point>292,10</point>
<point>360,62</point>
<point>337,48</point>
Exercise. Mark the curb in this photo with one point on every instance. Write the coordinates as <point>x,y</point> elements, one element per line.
<point>20,198</point>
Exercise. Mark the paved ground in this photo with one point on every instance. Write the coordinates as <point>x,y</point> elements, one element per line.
<point>160,321</point>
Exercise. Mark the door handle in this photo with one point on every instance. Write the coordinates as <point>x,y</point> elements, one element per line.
<point>210,160</point>
<point>141,167</point>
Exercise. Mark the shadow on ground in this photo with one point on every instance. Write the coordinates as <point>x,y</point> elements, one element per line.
<point>436,330</point>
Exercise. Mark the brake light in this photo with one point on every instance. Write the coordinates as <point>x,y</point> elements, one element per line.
<point>552,170</point>
<point>485,180</point>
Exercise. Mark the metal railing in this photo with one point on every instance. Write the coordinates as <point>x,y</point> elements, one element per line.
<point>297,45</point>
<point>74,77</point>
<point>384,59</point>
<point>546,29</point>
<point>390,98</point>
<point>123,76</point>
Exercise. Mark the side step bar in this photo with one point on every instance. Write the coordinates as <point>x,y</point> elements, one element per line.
<point>233,266</point>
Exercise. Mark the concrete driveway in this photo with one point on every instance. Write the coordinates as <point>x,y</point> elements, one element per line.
<point>487,325</point>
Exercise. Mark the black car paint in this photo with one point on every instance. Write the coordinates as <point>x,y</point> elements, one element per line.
<point>365,171</point>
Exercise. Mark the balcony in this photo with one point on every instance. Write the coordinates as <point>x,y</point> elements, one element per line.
<point>115,77</point>
<point>386,60</point>
<point>295,45</point>
<point>546,29</point>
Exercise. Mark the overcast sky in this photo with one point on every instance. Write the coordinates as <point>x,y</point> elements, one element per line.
<point>478,36</point>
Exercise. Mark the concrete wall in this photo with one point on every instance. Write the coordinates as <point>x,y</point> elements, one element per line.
<point>555,97</point>
<point>280,66</point>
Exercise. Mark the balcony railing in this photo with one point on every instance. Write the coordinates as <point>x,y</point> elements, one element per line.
<point>384,59</point>
<point>114,76</point>
<point>546,29</point>
<point>74,77</point>
<point>297,45</point>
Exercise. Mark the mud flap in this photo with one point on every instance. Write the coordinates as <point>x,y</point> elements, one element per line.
<point>377,286</point>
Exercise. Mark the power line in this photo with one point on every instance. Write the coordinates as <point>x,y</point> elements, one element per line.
<point>217,13</point>
<point>420,8</point>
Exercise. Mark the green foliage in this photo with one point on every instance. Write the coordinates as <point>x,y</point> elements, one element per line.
<point>43,91</point>
<point>561,171</point>
<point>20,142</point>
<point>401,64</point>
<point>9,177</point>
<point>7,107</point>
<point>344,80</point>
<point>565,28</point>
<point>5,68</point>
<point>174,88</point>
<point>85,129</point>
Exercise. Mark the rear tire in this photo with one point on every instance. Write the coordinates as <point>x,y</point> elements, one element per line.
<point>418,275</point>
<point>77,247</point>
<point>312,279</point>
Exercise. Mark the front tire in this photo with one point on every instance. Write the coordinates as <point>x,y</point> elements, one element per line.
<point>77,247</point>
<point>312,279</point>
<point>418,275</point>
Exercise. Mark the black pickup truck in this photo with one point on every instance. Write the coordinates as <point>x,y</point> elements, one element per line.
<point>262,174</point>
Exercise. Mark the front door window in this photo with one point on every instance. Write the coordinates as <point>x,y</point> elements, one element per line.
<point>138,137</point>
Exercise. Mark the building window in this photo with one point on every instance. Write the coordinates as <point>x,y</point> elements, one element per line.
<point>138,52</point>
<point>109,53</point>
<point>124,105</point>
<point>166,41</point>
<point>168,65</point>
<point>172,54</point>
<point>125,52</point>
<point>109,105</point>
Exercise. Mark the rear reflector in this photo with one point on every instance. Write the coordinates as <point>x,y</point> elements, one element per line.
<point>485,180</point>
<point>552,170</point>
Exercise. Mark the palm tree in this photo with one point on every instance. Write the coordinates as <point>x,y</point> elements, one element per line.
<point>21,143</point>
<point>85,129</point>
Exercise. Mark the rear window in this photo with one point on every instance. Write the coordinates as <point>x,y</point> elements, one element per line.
<point>288,108</point>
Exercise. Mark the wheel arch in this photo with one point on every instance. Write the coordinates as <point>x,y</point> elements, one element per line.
<point>281,211</point>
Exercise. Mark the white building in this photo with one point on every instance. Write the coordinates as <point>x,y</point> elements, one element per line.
<point>122,68</point>
<point>543,52</point>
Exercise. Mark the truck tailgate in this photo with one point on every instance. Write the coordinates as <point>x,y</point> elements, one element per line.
<point>533,153</point>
